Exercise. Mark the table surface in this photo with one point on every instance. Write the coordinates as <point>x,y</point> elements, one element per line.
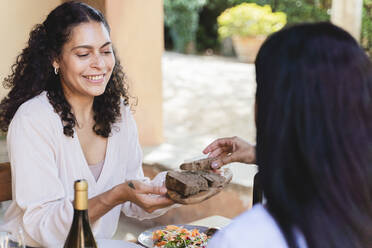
<point>111,243</point>
<point>212,221</point>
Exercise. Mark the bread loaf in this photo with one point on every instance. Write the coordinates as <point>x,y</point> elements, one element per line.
<point>202,164</point>
<point>187,183</point>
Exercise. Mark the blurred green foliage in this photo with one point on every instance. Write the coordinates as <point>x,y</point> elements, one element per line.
<point>366,36</point>
<point>303,10</point>
<point>297,11</point>
<point>182,19</point>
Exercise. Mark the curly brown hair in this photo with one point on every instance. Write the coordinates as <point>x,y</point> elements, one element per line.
<point>32,73</point>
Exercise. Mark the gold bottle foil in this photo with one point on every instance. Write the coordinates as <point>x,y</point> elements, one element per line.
<point>81,194</point>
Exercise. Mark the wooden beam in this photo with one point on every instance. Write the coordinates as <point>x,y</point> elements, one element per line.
<point>5,182</point>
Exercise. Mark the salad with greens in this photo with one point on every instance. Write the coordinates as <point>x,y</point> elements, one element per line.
<point>178,237</point>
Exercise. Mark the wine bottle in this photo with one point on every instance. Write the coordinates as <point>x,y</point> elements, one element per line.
<point>80,235</point>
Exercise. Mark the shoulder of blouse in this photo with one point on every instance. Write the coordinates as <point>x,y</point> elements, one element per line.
<point>37,111</point>
<point>37,107</point>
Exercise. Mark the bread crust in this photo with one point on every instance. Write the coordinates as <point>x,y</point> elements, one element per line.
<point>197,165</point>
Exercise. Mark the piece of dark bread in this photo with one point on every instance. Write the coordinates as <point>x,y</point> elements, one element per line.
<point>185,183</point>
<point>197,165</point>
<point>179,184</point>
<point>214,180</point>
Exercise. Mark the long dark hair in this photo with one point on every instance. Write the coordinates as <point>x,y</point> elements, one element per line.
<point>314,135</point>
<point>33,73</point>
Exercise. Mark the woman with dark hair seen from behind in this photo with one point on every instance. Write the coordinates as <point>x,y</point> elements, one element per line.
<point>68,117</point>
<point>314,144</point>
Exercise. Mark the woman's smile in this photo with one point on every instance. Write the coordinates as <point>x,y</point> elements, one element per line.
<point>96,79</point>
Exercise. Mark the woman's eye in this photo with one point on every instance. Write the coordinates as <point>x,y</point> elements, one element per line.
<point>107,52</point>
<point>82,55</point>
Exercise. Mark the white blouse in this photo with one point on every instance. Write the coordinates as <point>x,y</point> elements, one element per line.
<point>45,163</point>
<point>255,228</point>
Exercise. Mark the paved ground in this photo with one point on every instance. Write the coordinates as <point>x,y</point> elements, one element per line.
<point>204,98</point>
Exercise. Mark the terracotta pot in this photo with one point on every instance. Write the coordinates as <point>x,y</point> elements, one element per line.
<point>247,47</point>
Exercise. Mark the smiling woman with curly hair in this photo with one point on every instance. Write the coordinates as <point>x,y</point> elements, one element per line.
<point>33,74</point>
<point>67,116</point>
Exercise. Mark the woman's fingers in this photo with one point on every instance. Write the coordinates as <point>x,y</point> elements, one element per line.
<point>146,188</point>
<point>148,196</point>
<point>212,146</point>
<point>225,158</point>
<point>156,200</point>
<point>215,153</point>
<point>152,202</point>
<point>228,150</point>
<point>217,143</point>
<point>216,164</point>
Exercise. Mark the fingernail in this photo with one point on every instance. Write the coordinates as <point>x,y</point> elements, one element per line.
<point>163,190</point>
<point>215,164</point>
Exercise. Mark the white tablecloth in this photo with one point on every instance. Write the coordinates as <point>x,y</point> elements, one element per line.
<point>212,221</point>
<point>110,243</point>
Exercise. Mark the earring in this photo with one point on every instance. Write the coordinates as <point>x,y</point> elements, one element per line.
<point>56,70</point>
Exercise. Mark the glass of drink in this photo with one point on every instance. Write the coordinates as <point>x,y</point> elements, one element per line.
<point>17,240</point>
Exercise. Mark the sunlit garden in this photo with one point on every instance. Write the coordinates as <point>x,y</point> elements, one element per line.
<point>214,26</point>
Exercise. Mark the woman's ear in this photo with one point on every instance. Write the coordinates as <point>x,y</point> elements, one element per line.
<point>55,64</point>
<point>56,67</point>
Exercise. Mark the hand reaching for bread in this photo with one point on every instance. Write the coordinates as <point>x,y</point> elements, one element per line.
<point>227,150</point>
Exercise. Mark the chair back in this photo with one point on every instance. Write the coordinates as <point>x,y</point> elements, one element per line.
<point>257,190</point>
<point>5,182</point>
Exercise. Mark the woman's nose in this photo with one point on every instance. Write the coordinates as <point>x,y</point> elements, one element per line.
<point>98,61</point>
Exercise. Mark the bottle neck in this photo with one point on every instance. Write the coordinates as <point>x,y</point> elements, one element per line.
<point>80,215</point>
<point>81,200</point>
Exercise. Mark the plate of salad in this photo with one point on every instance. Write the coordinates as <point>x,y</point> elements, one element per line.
<point>176,236</point>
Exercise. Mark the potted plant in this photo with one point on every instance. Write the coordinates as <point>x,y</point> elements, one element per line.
<point>248,24</point>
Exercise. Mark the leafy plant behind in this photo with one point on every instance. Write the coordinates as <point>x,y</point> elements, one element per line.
<point>250,19</point>
<point>366,36</point>
<point>182,18</point>
<point>297,11</point>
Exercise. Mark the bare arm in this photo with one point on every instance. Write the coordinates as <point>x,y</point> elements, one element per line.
<point>134,191</point>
